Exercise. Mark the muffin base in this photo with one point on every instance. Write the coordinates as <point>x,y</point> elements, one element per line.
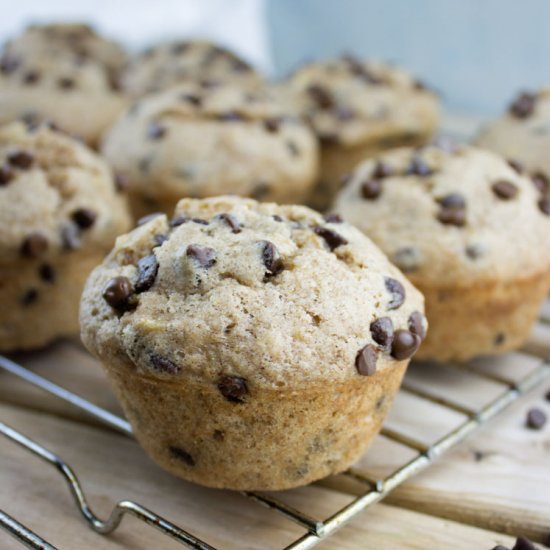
<point>27,322</point>
<point>481,320</point>
<point>275,439</point>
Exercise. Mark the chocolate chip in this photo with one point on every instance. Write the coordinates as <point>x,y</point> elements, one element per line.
<point>452,216</point>
<point>475,251</point>
<point>523,543</point>
<point>9,64</point>
<point>366,359</point>
<point>416,324</point>
<point>333,218</point>
<point>21,159</point>
<point>536,419</point>
<point>516,165</point>
<point>159,239</point>
<point>66,83</point>
<point>260,191</point>
<point>500,547</point>
<point>328,138</point>
<point>272,124</point>
<point>192,98</point>
<point>333,239</point>
<point>382,170</point>
<point>231,221</point>
<point>203,255</point>
<point>200,221</point>
<point>500,338</point>
<point>121,182</point>
<point>6,174</point>
<point>179,48</point>
<point>84,218</point>
<point>233,388</point>
<point>70,237</point>
<point>524,105</point>
<point>419,167</point>
<point>397,291</point>
<point>271,259</point>
<point>146,219</point>
<point>293,148</point>
<point>544,205</point>
<point>31,77</point>
<point>277,218</point>
<point>118,293</point>
<point>541,181</point>
<point>155,131</point>
<point>359,69</point>
<point>47,273</point>
<point>162,364</point>
<point>504,189</point>
<point>176,221</point>
<point>321,96</point>
<point>147,273</point>
<point>30,297</point>
<point>382,332</point>
<point>407,258</point>
<point>404,345</point>
<point>452,200</point>
<point>34,245</point>
<point>371,189</point>
<point>181,454</point>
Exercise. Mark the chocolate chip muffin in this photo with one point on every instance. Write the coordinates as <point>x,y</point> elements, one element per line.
<point>196,141</point>
<point>252,346</point>
<point>59,215</point>
<point>170,63</point>
<point>522,135</point>
<point>65,74</point>
<point>357,109</point>
<point>469,231</point>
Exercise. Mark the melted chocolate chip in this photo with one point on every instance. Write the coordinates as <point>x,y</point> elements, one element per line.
<point>365,361</point>
<point>21,159</point>
<point>146,219</point>
<point>84,218</point>
<point>155,131</point>
<point>371,189</point>
<point>118,293</point>
<point>70,237</point>
<point>382,332</point>
<point>203,255</point>
<point>419,167</point>
<point>536,419</point>
<point>333,239</point>
<point>34,245</point>
<point>233,388</point>
<point>416,324</point>
<point>321,96</point>
<point>452,200</point>
<point>544,205</point>
<point>404,345</point>
<point>382,170</point>
<point>504,189</point>
<point>231,221</point>
<point>272,124</point>
<point>47,273</point>
<point>524,105</point>
<point>147,273</point>
<point>162,364</point>
<point>30,297</point>
<point>271,259</point>
<point>6,174</point>
<point>397,291</point>
<point>541,181</point>
<point>182,454</point>
<point>333,218</point>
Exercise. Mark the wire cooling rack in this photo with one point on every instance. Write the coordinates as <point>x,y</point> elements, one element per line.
<point>374,487</point>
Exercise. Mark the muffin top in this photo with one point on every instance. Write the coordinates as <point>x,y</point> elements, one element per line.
<point>169,63</point>
<point>242,294</point>
<point>56,196</point>
<point>522,134</point>
<point>450,215</point>
<point>199,141</point>
<point>349,101</point>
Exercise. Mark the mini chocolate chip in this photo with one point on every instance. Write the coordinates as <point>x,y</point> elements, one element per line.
<point>271,259</point>
<point>371,189</point>
<point>121,182</point>
<point>192,98</point>
<point>321,96</point>
<point>21,159</point>
<point>34,245</point>
<point>523,543</point>
<point>233,388</point>
<point>536,419</point>
<point>47,273</point>
<point>544,205</point>
<point>452,200</point>
<point>516,165</point>
<point>159,239</point>
<point>66,83</point>
<point>200,221</point>
<point>404,345</point>
<point>179,220</point>
<point>6,174</point>
<point>32,77</point>
<point>70,237</point>
<point>524,105</point>
<point>181,454</point>
<point>155,131</point>
<point>365,361</point>
<point>84,217</point>
<point>407,258</point>
<point>162,364</point>
<point>382,332</point>
<point>504,189</point>
<point>30,297</point>
<point>333,218</point>
<point>416,324</point>
<point>147,273</point>
<point>230,116</point>
<point>452,216</point>
<point>419,167</point>
<point>382,170</point>
<point>333,239</point>
<point>293,148</point>
<point>203,255</point>
<point>146,219</point>
<point>118,293</point>
<point>231,221</point>
<point>397,291</point>
<point>541,181</point>
<point>272,124</point>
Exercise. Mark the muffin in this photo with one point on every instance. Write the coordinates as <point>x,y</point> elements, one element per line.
<point>469,232</point>
<point>170,63</point>
<point>196,141</point>
<point>252,346</point>
<point>59,215</point>
<point>522,135</point>
<point>357,109</point>
<point>65,74</point>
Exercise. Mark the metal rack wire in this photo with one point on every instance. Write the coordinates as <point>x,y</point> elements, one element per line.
<point>375,488</point>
